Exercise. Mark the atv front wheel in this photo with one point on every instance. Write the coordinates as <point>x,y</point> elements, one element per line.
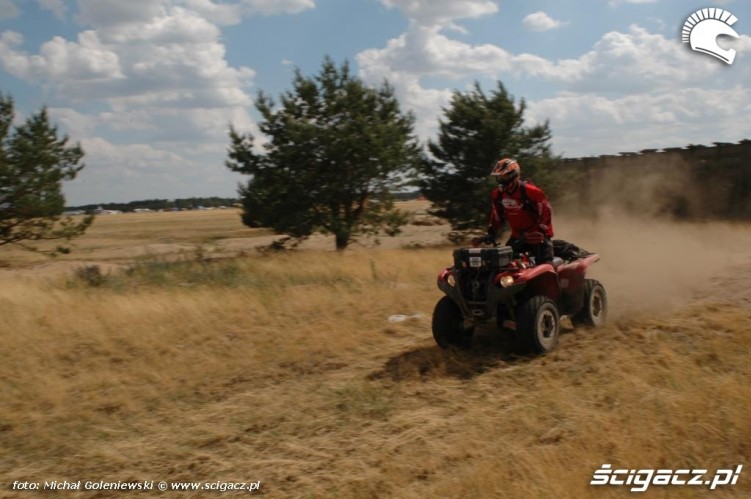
<point>595,309</point>
<point>538,325</point>
<point>448,325</point>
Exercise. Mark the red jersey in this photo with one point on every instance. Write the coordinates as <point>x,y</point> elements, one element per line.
<point>509,207</point>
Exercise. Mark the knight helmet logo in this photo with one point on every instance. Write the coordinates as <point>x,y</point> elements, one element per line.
<point>703,27</point>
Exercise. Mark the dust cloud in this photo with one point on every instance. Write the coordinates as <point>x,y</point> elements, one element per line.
<point>650,265</point>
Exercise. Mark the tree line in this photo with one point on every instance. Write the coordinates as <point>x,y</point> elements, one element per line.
<point>159,204</point>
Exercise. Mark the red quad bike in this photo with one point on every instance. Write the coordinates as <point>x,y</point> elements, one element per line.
<point>488,286</point>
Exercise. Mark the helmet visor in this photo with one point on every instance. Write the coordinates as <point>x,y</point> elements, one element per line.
<point>506,180</point>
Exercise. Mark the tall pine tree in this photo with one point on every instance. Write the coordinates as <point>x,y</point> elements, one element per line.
<point>34,162</point>
<point>336,149</point>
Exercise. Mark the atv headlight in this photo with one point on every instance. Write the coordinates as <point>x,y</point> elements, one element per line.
<point>506,281</point>
<point>450,279</point>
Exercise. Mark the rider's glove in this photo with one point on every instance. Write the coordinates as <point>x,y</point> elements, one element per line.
<point>486,239</point>
<point>543,228</point>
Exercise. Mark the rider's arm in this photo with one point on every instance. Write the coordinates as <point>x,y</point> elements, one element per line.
<point>496,216</point>
<point>544,211</point>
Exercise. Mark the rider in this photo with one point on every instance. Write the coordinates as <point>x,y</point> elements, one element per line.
<point>526,209</point>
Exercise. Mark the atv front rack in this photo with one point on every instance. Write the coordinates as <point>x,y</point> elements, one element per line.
<point>483,258</point>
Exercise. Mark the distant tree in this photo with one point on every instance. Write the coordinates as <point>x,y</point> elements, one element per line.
<point>33,164</point>
<point>476,131</point>
<point>336,150</point>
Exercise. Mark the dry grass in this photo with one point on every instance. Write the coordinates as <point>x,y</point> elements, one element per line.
<point>285,369</point>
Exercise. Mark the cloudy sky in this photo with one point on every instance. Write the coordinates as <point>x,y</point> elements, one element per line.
<point>149,87</point>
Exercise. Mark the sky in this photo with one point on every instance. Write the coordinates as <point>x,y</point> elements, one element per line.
<point>150,87</point>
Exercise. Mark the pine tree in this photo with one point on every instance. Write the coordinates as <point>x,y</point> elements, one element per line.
<point>336,149</point>
<point>33,164</point>
<point>476,131</point>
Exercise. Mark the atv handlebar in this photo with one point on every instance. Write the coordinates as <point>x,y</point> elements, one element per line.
<point>478,241</point>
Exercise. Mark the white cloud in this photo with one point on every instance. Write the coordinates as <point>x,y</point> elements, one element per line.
<point>177,26</point>
<point>102,13</point>
<point>425,51</point>
<point>540,21</point>
<point>232,13</point>
<point>632,62</point>
<point>617,2</point>
<point>8,9</point>
<point>59,60</point>
<point>640,61</point>
<point>221,14</point>
<point>442,12</point>
<point>270,7</point>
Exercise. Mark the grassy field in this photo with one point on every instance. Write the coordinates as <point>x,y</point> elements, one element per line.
<point>124,236</point>
<point>285,369</point>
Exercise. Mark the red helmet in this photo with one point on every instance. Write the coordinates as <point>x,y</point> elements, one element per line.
<point>506,172</point>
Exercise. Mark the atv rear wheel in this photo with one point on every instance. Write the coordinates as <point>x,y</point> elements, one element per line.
<point>448,325</point>
<point>595,309</point>
<point>538,325</point>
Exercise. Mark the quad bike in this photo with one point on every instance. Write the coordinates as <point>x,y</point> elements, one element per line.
<point>495,286</point>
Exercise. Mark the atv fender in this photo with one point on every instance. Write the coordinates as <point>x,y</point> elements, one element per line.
<point>571,277</point>
<point>541,280</point>
<point>578,266</point>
